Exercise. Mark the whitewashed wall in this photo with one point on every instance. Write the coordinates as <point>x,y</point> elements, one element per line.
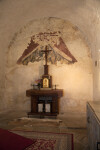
<point>14,15</point>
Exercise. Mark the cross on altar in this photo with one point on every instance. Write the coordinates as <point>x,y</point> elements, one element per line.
<point>46,81</point>
<point>46,51</point>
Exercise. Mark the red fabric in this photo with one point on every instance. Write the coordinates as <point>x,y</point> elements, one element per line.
<point>12,141</point>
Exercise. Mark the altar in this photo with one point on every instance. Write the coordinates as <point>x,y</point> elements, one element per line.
<point>44,102</point>
<point>44,99</point>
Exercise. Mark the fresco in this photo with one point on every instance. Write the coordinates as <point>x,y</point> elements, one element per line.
<point>54,41</point>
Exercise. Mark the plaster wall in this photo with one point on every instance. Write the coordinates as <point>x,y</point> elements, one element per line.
<point>14,15</point>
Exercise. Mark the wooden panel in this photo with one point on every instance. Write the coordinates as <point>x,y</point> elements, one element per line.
<point>44,97</point>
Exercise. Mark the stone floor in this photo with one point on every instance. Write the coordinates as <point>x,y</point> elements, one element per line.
<point>70,123</point>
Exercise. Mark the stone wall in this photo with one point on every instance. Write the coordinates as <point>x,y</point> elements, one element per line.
<point>76,79</point>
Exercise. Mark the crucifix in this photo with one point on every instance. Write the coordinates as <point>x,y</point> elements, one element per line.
<point>46,78</point>
<point>46,51</point>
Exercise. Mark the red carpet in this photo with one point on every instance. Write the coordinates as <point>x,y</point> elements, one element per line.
<point>11,141</point>
<point>48,140</point>
<point>31,140</point>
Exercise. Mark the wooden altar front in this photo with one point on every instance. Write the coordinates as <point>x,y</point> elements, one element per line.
<point>44,97</point>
